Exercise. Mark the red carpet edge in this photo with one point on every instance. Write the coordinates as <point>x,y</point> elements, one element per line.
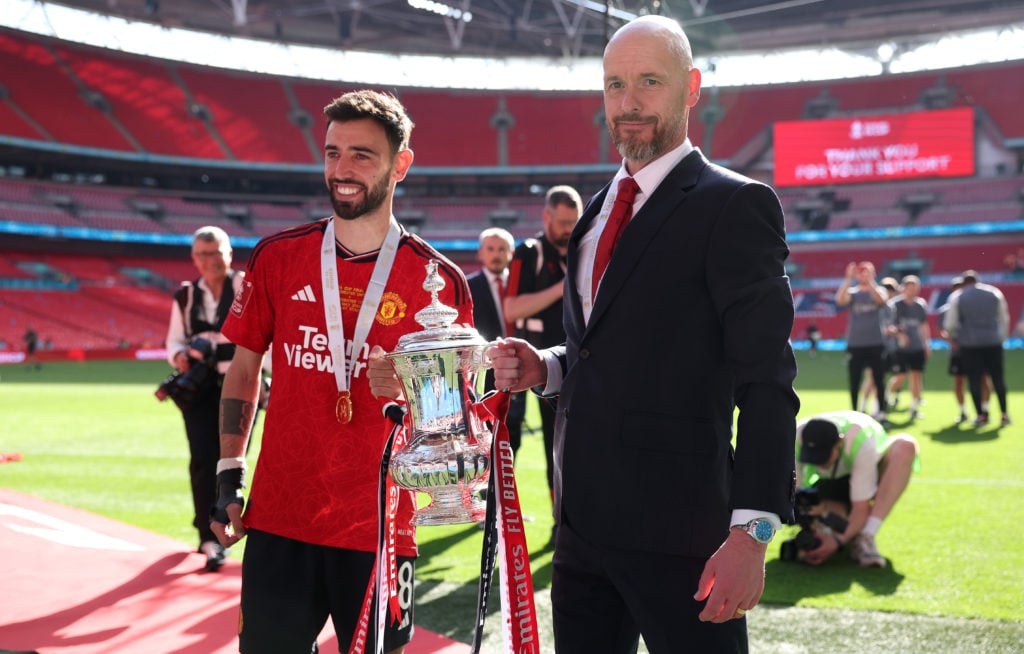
<point>72,582</point>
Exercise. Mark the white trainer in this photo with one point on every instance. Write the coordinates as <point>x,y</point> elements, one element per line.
<point>865,552</point>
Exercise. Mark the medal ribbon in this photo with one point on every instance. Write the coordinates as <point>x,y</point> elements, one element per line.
<point>386,562</point>
<point>331,292</point>
<point>518,612</point>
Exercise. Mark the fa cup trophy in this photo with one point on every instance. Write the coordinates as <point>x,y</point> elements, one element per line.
<point>447,455</point>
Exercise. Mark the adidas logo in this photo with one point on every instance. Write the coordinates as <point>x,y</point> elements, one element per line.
<point>305,294</point>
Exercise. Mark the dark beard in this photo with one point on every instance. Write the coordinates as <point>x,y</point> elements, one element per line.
<point>561,243</point>
<point>373,198</point>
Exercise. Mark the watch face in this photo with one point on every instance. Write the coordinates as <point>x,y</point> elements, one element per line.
<point>763,531</point>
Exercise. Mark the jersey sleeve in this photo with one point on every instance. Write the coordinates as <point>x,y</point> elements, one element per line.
<point>250,321</point>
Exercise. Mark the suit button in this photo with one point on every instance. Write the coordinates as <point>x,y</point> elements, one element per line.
<point>584,353</point>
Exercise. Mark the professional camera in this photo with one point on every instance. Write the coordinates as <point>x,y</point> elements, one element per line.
<point>183,387</point>
<point>806,539</point>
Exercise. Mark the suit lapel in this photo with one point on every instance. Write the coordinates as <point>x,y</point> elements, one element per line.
<point>644,227</point>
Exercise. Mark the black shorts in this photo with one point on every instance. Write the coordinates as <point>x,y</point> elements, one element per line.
<point>289,588</point>
<point>956,364</point>
<point>904,361</point>
<point>866,356</point>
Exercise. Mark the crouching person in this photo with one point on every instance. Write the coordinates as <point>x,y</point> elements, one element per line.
<point>851,474</point>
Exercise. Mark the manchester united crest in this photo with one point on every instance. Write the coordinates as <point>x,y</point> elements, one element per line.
<point>392,309</point>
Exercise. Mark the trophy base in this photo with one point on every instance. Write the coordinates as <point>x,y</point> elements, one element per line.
<point>450,506</point>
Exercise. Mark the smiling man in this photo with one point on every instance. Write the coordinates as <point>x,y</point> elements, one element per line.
<point>677,311</point>
<point>326,294</point>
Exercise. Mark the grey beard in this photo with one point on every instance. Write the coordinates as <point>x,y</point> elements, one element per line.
<point>633,151</point>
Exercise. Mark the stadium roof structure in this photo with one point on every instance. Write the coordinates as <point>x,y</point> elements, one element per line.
<point>565,28</point>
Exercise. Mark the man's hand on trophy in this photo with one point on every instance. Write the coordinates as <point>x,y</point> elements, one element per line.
<point>517,365</point>
<point>381,375</point>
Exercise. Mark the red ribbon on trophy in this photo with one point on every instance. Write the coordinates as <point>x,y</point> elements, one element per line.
<point>504,524</point>
<point>503,536</point>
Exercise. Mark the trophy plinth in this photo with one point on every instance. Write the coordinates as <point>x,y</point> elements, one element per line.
<point>447,455</point>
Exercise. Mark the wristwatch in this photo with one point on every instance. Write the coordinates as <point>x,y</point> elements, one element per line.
<point>760,529</point>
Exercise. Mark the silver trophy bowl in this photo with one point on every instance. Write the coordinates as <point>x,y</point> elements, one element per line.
<point>447,455</point>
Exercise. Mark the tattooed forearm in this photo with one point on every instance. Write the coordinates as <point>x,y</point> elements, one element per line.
<point>236,416</point>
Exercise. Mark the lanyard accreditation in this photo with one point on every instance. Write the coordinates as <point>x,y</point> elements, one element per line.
<point>332,310</point>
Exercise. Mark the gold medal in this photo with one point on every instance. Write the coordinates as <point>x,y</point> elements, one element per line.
<point>343,408</point>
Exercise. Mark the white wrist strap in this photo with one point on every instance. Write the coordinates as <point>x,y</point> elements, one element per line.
<point>230,464</point>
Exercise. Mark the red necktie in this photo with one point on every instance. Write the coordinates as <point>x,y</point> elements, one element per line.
<point>622,211</point>
<point>509,327</point>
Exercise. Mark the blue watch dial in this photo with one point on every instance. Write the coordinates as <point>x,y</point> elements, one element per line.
<point>763,531</point>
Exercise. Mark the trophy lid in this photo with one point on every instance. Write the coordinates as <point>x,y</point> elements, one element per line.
<point>436,319</point>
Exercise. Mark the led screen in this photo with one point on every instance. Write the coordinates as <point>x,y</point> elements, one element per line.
<point>875,148</point>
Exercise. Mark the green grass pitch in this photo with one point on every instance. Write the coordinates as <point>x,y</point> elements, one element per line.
<point>93,436</point>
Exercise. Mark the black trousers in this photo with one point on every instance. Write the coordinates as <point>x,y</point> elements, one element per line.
<point>604,599</point>
<point>859,358</point>
<point>202,427</point>
<point>978,362</point>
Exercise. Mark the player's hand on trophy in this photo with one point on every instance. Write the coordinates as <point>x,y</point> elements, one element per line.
<point>381,375</point>
<point>517,365</point>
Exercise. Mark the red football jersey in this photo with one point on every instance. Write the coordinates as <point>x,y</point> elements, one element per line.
<point>316,480</point>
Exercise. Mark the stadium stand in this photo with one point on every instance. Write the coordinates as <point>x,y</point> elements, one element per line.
<point>165,273</point>
<point>146,99</point>
<point>250,114</point>
<point>576,118</point>
<point>946,257</point>
<point>88,302</point>
<point>820,269</point>
<point>73,96</point>
<point>11,271</point>
<point>76,320</point>
<point>452,128</point>
<point>40,86</point>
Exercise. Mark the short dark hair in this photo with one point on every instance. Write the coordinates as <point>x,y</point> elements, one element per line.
<point>563,195</point>
<point>375,105</point>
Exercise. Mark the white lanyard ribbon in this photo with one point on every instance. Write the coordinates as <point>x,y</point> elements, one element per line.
<point>343,368</point>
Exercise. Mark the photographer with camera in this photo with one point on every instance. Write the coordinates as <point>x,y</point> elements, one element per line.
<point>851,474</point>
<point>201,355</point>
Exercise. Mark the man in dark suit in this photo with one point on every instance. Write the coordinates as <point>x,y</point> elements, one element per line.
<point>488,287</point>
<point>663,526</point>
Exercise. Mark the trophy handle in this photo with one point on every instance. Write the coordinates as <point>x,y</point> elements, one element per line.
<point>486,363</point>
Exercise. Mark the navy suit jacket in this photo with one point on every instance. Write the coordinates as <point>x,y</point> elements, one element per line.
<point>692,320</point>
<point>486,318</point>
